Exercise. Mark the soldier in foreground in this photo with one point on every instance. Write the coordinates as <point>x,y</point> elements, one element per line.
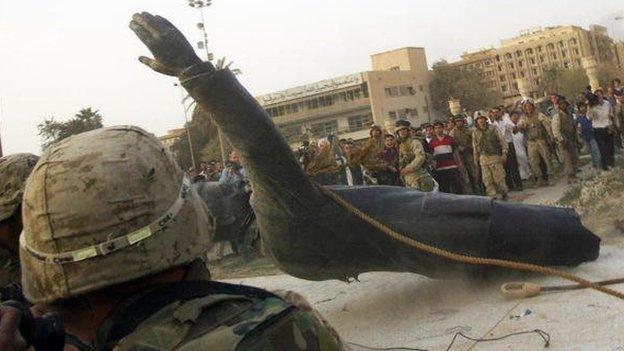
<point>116,250</point>
<point>14,170</point>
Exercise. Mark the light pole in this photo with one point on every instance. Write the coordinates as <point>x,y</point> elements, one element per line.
<point>186,125</point>
<point>200,5</point>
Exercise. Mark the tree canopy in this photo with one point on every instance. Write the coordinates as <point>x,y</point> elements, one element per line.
<point>52,131</point>
<point>449,81</point>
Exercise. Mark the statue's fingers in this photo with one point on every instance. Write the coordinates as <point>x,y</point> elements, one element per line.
<point>144,35</point>
<point>147,21</point>
<point>156,66</point>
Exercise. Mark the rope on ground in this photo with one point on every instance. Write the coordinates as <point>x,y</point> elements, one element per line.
<point>465,258</point>
<point>544,335</point>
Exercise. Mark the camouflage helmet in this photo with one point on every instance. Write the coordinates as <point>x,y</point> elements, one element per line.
<point>106,207</point>
<point>14,170</point>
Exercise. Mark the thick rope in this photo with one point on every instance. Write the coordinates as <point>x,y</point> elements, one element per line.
<point>465,258</point>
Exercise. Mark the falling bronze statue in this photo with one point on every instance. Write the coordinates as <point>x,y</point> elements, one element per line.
<point>310,236</point>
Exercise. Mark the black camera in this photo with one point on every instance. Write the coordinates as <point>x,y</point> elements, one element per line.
<point>45,333</point>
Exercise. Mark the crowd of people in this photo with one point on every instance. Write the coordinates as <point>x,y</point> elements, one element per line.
<point>488,152</point>
<point>214,171</point>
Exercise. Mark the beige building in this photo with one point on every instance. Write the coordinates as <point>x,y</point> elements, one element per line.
<point>396,87</point>
<point>526,56</point>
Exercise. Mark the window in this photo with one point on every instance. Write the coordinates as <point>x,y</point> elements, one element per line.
<point>504,87</point>
<point>501,78</point>
<point>521,74</point>
<point>508,56</point>
<point>392,91</point>
<point>576,51</point>
<point>395,68</point>
<point>541,58</point>
<point>528,51</point>
<point>520,63</point>
<point>539,48</point>
<point>360,122</point>
<point>323,129</point>
<point>497,58</point>
<point>511,65</point>
<point>566,64</point>
<point>518,53</point>
<point>500,68</point>
<point>564,53</point>
<point>554,56</point>
<point>534,71</point>
<point>532,61</point>
<point>513,76</point>
<point>420,88</point>
<point>551,46</point>
<point>560,44</point>
<point>392,115</point>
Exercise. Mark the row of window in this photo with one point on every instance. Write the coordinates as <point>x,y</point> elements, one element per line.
<point>405,113</point>
<point>318,102</point>
<point>401,90</point>
<point>550,46</point>
<point>293,133</point>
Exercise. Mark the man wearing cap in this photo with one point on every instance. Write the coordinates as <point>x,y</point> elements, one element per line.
<point>446,166</point>
<point>463,138</point>
<point>490,151</point>
<point>14,170</point>
<point>412,159</point>
<point>538,133</point>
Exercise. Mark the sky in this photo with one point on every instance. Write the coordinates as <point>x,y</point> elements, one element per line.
<point>57,57</point>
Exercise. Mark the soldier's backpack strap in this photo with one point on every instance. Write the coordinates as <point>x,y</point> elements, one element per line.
<point>137,309</point>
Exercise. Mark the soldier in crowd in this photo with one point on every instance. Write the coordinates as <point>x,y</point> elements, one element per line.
<point>116,251</point>
<point>14,170</point>
<point>390,157</point>
<point>463,138</point>
<point>490,151</point>
<point>412,159</point>
<point>369,154</point>
<point>565,135</point>
<point>538,133</point>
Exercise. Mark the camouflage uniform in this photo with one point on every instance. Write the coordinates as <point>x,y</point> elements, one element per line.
<point>538,133</point>
<point>14,170</point>
<point>463,137</point>
<point>120,209</point>
<point>564,133</point>
<point>489,151</point>
<point>412,157</point>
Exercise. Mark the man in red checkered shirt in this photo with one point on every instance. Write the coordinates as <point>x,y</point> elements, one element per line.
<point>446,165</point>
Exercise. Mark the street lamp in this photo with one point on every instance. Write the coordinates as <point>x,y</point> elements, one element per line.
<point>200,5</point>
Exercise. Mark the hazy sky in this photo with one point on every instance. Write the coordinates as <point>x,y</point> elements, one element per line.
<point>59,56</point>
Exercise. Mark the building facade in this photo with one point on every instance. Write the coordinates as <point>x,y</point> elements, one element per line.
<point>526,56</point>
<point>346,106</point>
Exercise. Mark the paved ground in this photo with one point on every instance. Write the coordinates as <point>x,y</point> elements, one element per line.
<point>392,309</point>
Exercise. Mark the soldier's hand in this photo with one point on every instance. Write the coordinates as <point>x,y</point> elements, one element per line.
<point>10,337</point>
<point>172,52</point>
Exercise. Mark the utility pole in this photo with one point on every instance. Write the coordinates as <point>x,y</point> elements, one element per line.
<point>200,5</point>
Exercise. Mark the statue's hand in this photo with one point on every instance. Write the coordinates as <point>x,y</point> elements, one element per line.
<point>172,52</point>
